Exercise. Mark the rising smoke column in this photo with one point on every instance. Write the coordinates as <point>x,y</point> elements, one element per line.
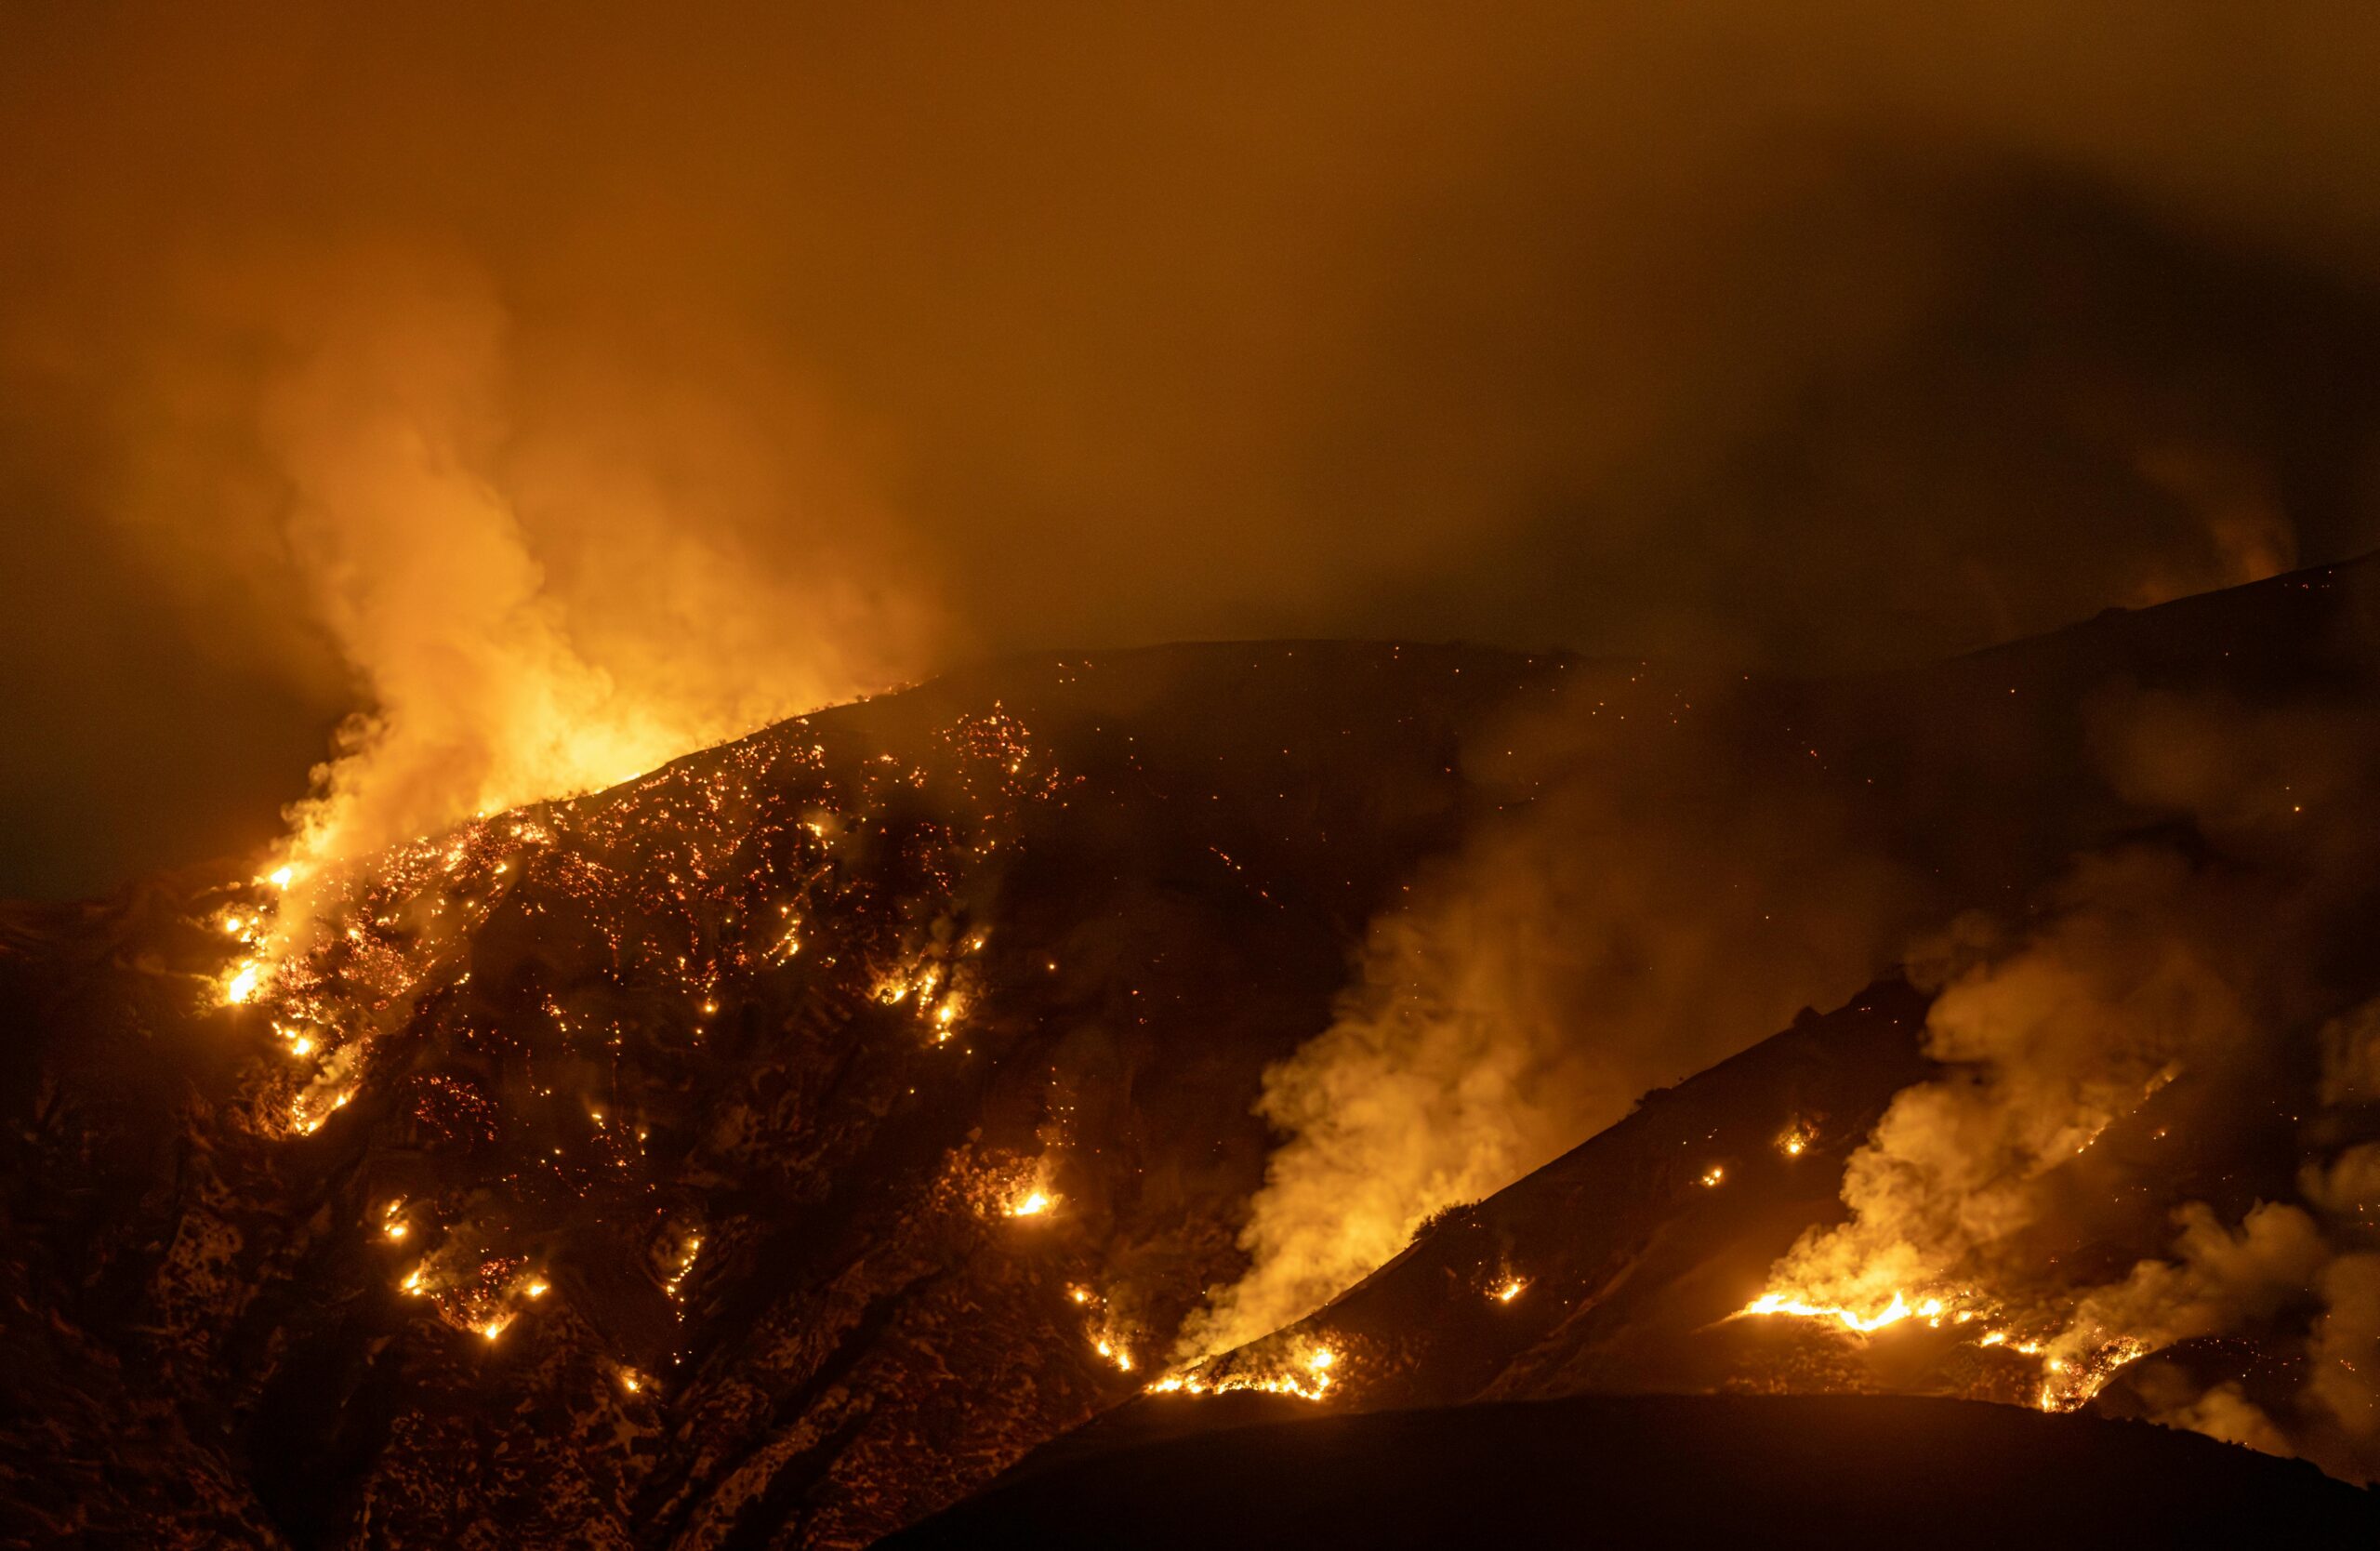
<point>543,592</point>
<point>1656,899</point>
<point>2184,974</point>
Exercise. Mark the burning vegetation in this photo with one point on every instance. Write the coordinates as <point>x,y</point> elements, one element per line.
<point>888,1075</point>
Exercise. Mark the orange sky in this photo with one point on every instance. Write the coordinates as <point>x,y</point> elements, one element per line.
<point>731,357</point>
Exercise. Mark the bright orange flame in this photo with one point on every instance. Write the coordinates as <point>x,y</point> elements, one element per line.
<point>244,982</point>
<point>1780,1303</point>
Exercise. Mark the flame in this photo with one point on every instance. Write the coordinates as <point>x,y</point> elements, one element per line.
<point>693,1248</point>
<point>1850,1318</point>
<point>1035,1204</point>
<point>244,982</point>
<point>1309,1382</point>
<point>1714,1176</point>
<point>2070,1386</point>
<point>1511,1290</point>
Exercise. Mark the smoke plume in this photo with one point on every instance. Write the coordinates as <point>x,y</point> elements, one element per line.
<point>1659,897</point>
<point>502,664</point>
<point>2056,1035</point>
<point>2164,977</point>
<point>538,586</point>
<point>769,352</point>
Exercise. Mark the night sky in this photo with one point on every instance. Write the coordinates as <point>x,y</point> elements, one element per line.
<point>715,360</point>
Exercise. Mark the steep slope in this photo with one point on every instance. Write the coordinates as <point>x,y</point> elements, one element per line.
<point>642,1169</point>
<point>776,1149</point>
<point>2152,1174</point>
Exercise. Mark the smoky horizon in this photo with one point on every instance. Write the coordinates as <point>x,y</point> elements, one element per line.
<point>482,406</point>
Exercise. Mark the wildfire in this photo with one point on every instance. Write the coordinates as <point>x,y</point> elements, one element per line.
<point>1795,1139</point>
<point>1034,1204</point>
<point>244,982</point>
<point>693,1247</point>
<point>1900,1308</point>
<point>2070,1386</point>
<point>1307,1382</point>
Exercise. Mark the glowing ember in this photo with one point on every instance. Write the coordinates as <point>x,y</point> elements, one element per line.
<point>685,1266</point>
<point>1714,1176</point>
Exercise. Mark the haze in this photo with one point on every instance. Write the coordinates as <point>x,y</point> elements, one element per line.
<point>564,387</point>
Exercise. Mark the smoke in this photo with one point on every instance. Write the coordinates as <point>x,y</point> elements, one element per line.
<point>2344,1380</point>
<point>1660,896</point>
<point>541,577</point>
<point>2351,1056</point>
<point>502,663</point>
<point>2224,1413</point>
<point>2057,1034</point>
<point>841,340</point>
<point>2218,1279</point>
<point>2217,962</point>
